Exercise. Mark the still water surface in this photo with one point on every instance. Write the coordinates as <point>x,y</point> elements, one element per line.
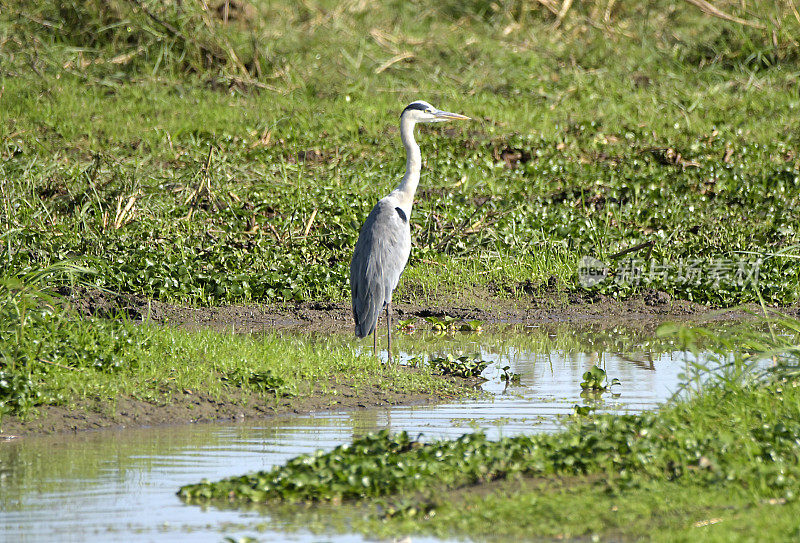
<point>120,485</point>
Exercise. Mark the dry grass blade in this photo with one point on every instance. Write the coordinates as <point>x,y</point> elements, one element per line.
<point>275,233</point>
<point>394,60</point>
<point>460,228</point>
<point>710,9</point>
<point>607,12</point>
<point>250,82</point>
<point>564,9</point>
<point>124,215</point>
<point>310,222</point>
<point>794,10</point>
<point>647,244</point>
<point>124,58</point>
<point>384,40</point>
<point>42,360</point>
<point>263,141</point>
<point>177,33</point>
<point>204,185</point>
<point>551,6</point>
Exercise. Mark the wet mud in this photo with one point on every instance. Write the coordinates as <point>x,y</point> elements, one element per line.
<point>553,307</point>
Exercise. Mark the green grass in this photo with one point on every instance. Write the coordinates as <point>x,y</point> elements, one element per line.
<point>650,123</point>
<point>656,512</point>
<point>213,363</point>
<point>100,362</point>
<point>51,356</point>
<point>181,157</point>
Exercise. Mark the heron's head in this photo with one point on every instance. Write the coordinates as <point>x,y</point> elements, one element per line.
<point>422,112</point>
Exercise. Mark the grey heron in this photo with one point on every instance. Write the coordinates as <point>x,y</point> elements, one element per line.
<point>384,242</point>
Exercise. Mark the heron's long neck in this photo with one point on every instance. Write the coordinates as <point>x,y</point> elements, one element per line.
<point>408,186</point>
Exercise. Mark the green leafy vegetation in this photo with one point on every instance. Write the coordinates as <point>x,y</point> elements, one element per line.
<point>208,153</point>
<point>54,356</point>
<point>663,446</point>
<point>203,155</point>
<point>374,465</point>
<point>408,326</point>
<point>471,326</point>
<point>444,324</point>
<point>263,381</point>
<point>595,380</point>
<point>508,376</point>
<point>37,336</point>
<point>462,366</point>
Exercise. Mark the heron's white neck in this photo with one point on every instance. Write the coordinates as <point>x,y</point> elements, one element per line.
<point>408,186</point>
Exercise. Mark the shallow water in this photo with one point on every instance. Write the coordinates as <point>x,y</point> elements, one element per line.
<point>121,485</point>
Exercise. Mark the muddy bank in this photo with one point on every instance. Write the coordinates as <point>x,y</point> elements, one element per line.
<point>189,407</point>
<point>648,309</point>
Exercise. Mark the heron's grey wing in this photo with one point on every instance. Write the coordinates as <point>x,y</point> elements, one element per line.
<point>380,255</point>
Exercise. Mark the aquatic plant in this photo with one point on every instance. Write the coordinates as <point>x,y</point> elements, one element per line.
<point>463,366</point>
<point>583,410</point>
<point>407,325</point>
<point>509,376</point>
<point>443,324</point>
<point>471,326</point>
<point>594,380</point>
<point>662,445</point>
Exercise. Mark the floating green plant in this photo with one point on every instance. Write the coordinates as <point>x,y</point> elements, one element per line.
<point>462,366</point>
<point>583,410</point>
<point>444,324</point>
<point>471,326</point>
<point>407,325</point>
<point>595,379</point>
<point>509,376</point>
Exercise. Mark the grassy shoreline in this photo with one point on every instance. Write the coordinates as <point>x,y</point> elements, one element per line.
<point>69,372</point>
<point>96,373</point>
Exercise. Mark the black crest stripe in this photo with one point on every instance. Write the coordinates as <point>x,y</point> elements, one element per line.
<point>415,105</point>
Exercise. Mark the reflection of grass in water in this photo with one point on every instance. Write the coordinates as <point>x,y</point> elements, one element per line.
<point>562,338</point>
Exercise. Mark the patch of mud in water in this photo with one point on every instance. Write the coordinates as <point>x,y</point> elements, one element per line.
<point>121,485</point>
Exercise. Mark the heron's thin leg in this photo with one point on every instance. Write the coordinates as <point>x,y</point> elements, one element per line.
<point>389,332</point>
<point>375,342</point>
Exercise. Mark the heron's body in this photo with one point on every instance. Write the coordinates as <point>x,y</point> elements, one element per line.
<point>386,239</point>
<point>384,243</point>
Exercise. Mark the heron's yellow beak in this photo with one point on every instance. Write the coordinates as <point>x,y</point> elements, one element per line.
<point>447,116</point>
